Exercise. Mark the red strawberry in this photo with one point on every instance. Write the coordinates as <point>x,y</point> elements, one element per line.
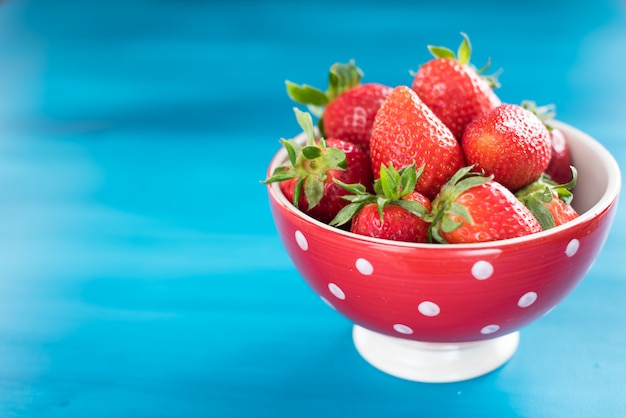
<point>550,202</point>
<point>347,109</point>
<point>509,142</point>
<point>453,88</point>
<point>395,212</point>
<point>559,167</point>
<point>396,224</point>
<point>351,115</point>
<point>407,132</point>
<point>474,208</point>
<point>314,167</point>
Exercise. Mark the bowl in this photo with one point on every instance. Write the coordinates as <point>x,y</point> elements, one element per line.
<point>445,313</point>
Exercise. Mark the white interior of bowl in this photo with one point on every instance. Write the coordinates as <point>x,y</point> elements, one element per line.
<point>598,173</point>
<point>599,183</point>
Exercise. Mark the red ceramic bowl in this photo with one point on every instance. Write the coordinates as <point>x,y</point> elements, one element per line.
<point>396,292</point>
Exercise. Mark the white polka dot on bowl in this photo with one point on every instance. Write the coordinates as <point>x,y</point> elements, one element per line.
<point>336,291</point>
<point>490,329</point>
<point>301,240</point>
<point>403,329</point>
<point>482,270</point>
<point>428,308</point>
<point>364,267</point>
<point>527,299</point>
<point>572,247</point>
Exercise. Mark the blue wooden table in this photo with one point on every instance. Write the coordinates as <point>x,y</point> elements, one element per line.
<point>140,271</point>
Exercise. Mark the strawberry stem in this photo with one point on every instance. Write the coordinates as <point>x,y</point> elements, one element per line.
<point>465,50</point>
<point>341,77</point>
<point>306,123</point>
<point>542,191</point>
<point>445,211</point>
<point>545,113</point>
<point>463,56</point>
<point>309,164</point>
<point>390,188</point>
<point>441,52</point>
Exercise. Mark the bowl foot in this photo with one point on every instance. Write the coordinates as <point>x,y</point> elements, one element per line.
<point>433,362</point>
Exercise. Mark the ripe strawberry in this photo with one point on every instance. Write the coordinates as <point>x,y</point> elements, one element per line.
<point>407,132</point>
<point>396,224</point>
<point>560,162</point>
<point>347,109</point>
<point>474,208</point>
<point>395,212</point>
<point>550,202</point>
<point>351,115</point>
<point>509,142</point>
<point>313,168</point>
<point>454,90</point>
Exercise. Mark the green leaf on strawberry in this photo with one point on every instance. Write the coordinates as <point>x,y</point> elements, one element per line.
<point>441,52</point>
<point>341,77</point>
<point>306,94</point>
<point>472,207</point>
<point>390,188</point>
<point>293,150</point>
<point>465,50</point>
<point>539,195</point>
<point>413,207</point>
<point>448,215</point>
<point>545,113</point>
<point>308,164</point>
<point>543,215</point>
<point>463,56</point>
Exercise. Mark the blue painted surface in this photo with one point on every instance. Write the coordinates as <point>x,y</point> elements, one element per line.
<point>140,271</point>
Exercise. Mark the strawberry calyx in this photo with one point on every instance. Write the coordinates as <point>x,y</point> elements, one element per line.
<point>309,164</point>
<point>446,212</point>
<point>389,189</point>
<point>545,113</point>
<point>341,77</point>
<point>463,56</point>
<point>541,192</point>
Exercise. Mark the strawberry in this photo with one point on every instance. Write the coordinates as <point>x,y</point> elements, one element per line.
<point>560,162</point>
<point>549,201</point>
<point>351,115</point>
<point>395,212</point>
<point>313,169</point>
<point>474,208</point>
<point>347,108</point>
<point>509,142</point>
<point>396,224</point>
<point>454,90</point>
<point>407,132</point>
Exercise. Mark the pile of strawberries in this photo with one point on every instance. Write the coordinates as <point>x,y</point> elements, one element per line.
<point>442,160</point>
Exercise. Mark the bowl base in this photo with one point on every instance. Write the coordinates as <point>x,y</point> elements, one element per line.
<point>433,362</point>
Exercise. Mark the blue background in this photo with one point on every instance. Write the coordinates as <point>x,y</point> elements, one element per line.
<point>140,271</point>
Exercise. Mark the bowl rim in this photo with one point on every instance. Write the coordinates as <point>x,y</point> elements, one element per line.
<point>608,198</point>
